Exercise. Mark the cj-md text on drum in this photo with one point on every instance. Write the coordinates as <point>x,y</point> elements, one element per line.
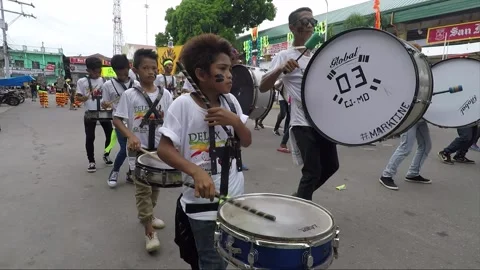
<point>365,85</point>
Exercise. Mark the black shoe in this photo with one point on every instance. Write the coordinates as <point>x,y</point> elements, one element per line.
<point>463,160</point>
<point>92,167</point>
<point>261,125</point>
<point>445,157</point>
<point>107,160</point>
<point>129,178</point>
<point>276,132</point>
<point>388,183</point>
<point>418,179</point>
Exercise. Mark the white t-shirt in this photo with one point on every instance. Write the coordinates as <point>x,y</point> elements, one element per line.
<point>133,106</point>
<point>188,86</point>
<point>132,74</point>
<point>113,89</point>
<point>84,89</point>
<point>185,125</point>
<point>160,81</point>
<point>293,84</point>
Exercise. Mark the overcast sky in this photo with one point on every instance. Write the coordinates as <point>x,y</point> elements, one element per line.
<point>85,26</point>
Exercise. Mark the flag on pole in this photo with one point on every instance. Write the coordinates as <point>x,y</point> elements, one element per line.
<point>378,20</point>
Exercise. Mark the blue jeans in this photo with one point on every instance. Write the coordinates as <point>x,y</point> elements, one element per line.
<point>421,133</point>
<point>203,233</point>
<point>122,154</point>
<point>466,137</point>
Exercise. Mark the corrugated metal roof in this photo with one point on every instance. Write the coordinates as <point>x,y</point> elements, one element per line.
<point>339,15</point>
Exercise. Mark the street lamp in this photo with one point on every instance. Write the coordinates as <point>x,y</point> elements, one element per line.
<point>326,22</point>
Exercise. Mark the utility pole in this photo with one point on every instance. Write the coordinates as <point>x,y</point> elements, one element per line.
<point>4,26</point>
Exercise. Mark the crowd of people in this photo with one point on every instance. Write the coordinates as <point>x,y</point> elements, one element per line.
<point>161,113</point>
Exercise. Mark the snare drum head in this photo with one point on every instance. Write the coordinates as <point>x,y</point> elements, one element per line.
<point>150,161</point>
<point>243,87</point>
<point>359,86</point>
<point>454,110</point>
<point>296,218</point>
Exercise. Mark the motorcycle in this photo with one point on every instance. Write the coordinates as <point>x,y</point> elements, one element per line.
<point>21,94</point>
<point>10,98</point>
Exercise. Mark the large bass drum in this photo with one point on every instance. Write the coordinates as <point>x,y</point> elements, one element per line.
<point>365,85</point>
<point>246,82</point>
<point>460,109</point>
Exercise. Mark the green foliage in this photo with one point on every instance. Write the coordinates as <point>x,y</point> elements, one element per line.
<point>356,20</point>
<point>161,39</point>
<point>226,18</point>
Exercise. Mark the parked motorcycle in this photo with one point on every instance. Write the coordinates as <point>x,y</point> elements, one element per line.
<point>10,98</point>
<point>21,94</point>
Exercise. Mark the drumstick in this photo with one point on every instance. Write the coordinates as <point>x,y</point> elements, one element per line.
<point>217,195</point>
<point>239,205</point>
<point>313,41</point>
<point>451,90</point>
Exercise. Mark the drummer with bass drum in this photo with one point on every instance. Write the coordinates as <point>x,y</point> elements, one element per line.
<point>317,154</point>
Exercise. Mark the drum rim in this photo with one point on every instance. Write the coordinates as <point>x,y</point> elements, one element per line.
<point>315,240</point>
<point>462,126</point>
<point>137,163</point>
<point>307,69</point>
<point>255,94</point>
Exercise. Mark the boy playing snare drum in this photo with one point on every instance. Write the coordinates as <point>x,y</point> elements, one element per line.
<point>187,127</point>
<point>137,105</point>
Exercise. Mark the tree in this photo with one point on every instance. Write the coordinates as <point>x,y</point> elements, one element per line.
<point>161,39</point>
<point>226,18</point>
<point>356,20</point>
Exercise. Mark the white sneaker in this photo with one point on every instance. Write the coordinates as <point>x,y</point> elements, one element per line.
<point>152,244</point>
<point>158,223</point>
<point>92,167</point>
<point>112,181</point>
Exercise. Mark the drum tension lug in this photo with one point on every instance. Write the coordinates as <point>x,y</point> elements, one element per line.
<point>252,256</point>
<point>308,258</point>
<point>336,243</point>
<point>229,245</point>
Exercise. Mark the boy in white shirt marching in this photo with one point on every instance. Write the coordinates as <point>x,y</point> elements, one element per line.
<point>88,91</point>
<point>139,105</point>
<point>187,126</point>
<point>111,92</point>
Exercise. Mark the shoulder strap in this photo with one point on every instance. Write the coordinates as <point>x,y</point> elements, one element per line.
<point>230,104</point>
<point>165,80</point>
<point>115,88</point>
<point>152,105</point>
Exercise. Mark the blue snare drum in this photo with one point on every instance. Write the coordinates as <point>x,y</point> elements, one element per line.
<point>304,236</point>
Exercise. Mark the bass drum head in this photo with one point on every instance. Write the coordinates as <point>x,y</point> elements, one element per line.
<point>455,110</point>
<point>263,101</point>
<point>359,86</point>
<point>243,88</point>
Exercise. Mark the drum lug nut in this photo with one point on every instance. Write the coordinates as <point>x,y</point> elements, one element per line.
<point>252,257</point>
<point>229,245</point>
<point>336,243</point>
<point>308,258</point>
<point>217,236</point>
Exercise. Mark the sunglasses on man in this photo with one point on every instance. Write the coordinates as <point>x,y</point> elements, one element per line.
<point>306,22</point>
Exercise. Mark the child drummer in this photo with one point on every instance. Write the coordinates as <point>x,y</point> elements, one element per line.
<point>136,110</point>
<point>188,122</point>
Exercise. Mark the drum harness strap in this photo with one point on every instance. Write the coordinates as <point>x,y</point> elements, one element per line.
<point>152,123</point>
<point>98,98</point>
<point>123,86</point>
<point>166,86</point>
<point>230,151</point>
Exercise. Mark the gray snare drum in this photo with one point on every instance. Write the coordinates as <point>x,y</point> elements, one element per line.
<point>365,85</point>
<point>304,235</point>
<point>99,115</point>
<point>156,172</point>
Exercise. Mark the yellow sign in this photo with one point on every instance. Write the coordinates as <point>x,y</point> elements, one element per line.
<point>107,72</point>
<point>165,53</point>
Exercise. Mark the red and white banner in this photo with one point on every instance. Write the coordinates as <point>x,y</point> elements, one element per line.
<point>77,60</point>
<point>454,32</point>
<point>50,67</point>
<point>276,48</point>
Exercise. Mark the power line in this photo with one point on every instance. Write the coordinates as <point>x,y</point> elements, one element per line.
<point>4,27</point>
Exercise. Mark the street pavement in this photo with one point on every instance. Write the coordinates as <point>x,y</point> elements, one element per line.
<point>56,215</point>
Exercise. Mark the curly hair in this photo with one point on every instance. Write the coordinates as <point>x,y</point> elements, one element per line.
<point>142,53</point>
<point>201,52</point>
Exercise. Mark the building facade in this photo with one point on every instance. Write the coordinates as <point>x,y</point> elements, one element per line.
<point>77,67</point>
<point>38,62</point>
